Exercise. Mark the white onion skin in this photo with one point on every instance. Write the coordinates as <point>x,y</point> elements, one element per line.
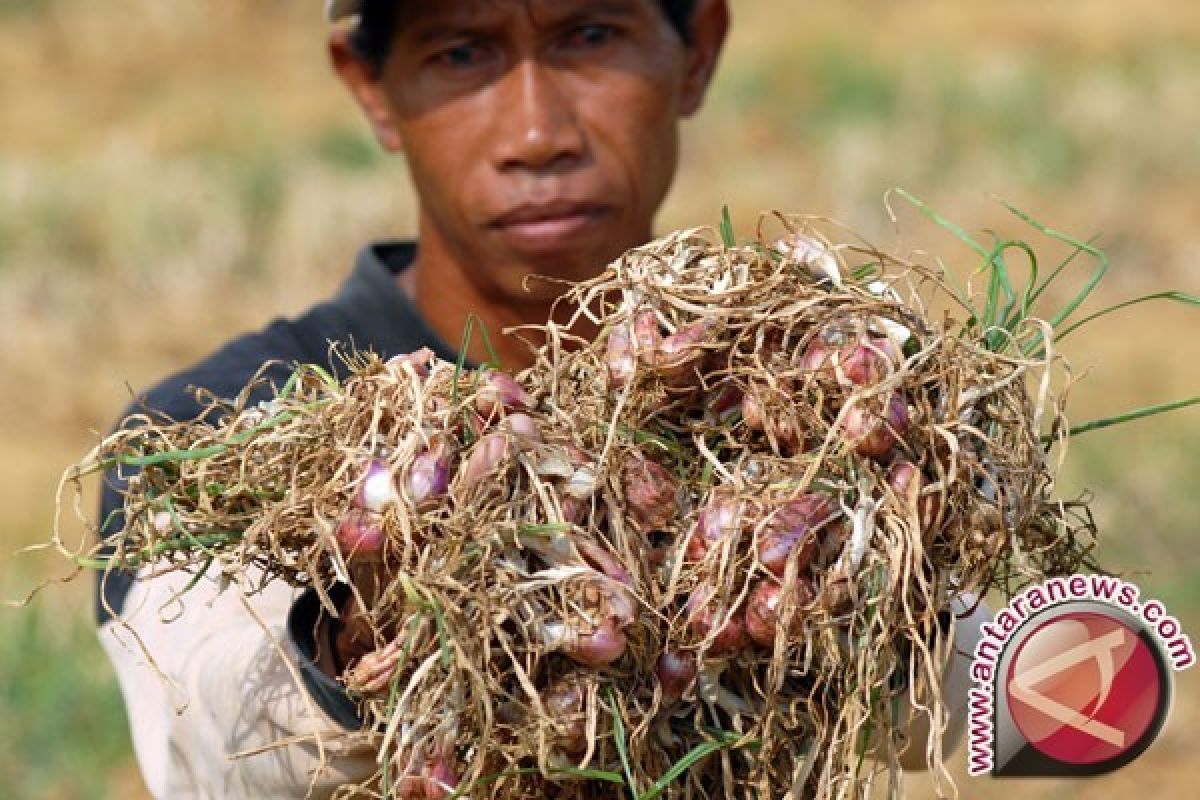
<point>377,491</point>
<point>162,521</point>
<point>811,253</point>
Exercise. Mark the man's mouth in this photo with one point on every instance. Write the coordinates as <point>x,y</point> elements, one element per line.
<point>549,225</point>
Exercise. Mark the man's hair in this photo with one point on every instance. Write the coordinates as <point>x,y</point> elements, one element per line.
<point>372,36</point>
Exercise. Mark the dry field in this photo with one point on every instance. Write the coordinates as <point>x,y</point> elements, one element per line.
<point>174,173</point>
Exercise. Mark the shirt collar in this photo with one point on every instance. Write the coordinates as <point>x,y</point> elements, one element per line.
<point>383,315</point>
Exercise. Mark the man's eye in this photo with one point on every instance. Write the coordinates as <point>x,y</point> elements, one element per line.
<point>462,55</point>
<point>594,35</point>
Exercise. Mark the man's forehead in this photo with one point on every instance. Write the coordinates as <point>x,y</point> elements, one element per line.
<point>471,12</point>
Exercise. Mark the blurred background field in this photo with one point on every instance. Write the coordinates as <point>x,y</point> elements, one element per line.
<point>174,173</point>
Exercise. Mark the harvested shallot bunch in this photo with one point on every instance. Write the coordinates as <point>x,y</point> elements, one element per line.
<point>713,551</point>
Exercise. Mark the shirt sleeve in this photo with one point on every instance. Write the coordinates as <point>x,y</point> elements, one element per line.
<point>970,613</point>
<point>223,701</point>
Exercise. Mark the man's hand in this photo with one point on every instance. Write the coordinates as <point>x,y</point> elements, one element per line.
<point>350,645</point>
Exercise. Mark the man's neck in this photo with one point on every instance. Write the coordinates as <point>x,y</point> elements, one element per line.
<point>448,299</point>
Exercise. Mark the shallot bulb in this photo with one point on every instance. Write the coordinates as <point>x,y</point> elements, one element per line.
<point>377,491</point>
<point>676,671</point>
<point>517,432</point>
<point>573,509</point>
<point>647,336</point>
<point>440,779</point>
<point>650,493</point>
<point>872,434</point>
<point>907,482</point>
<point>418,361</point>
<point>863,363</point>
<point>720,518</point>
<point>783,430</point>
<point>598,637</point>
<point>817,357</point>
<point>601,559</point>
<point>488,453</point>
<point>565,701</point>
<point>702,620</point>
<point>868,362</point>
<point>435,779</point>
<point>680,353</point>
<point>752,411</point>
<point>792,530</point>
<point>598,646</point>
<point>499,392</point>
<point>429,475</point>
<point>809,252</point>
<point>763,609</point>
<point>724,403</point>
<point>360,532</point>
<point>619,356</point>
<point>523,427</point>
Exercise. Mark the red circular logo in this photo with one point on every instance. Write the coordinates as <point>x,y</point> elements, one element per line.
<point>1084,688</point>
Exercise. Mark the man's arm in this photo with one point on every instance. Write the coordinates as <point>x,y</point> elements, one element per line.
<point>970,614</point>
<point>216,695</point>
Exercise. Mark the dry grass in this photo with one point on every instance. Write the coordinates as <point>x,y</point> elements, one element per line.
<point>173,173</point>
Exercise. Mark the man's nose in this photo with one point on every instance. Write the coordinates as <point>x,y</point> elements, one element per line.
<point>538,129</point>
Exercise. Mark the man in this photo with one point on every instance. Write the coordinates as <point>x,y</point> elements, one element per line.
<point>541,136</point>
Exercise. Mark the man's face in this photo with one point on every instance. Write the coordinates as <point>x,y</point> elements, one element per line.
<point>541,135</point>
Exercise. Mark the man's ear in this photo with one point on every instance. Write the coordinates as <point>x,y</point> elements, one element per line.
<point>363,81</point>
<point>709,25</point>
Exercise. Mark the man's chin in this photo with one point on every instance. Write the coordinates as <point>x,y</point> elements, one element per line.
<point>548,268</point>
<point>525,279</point>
